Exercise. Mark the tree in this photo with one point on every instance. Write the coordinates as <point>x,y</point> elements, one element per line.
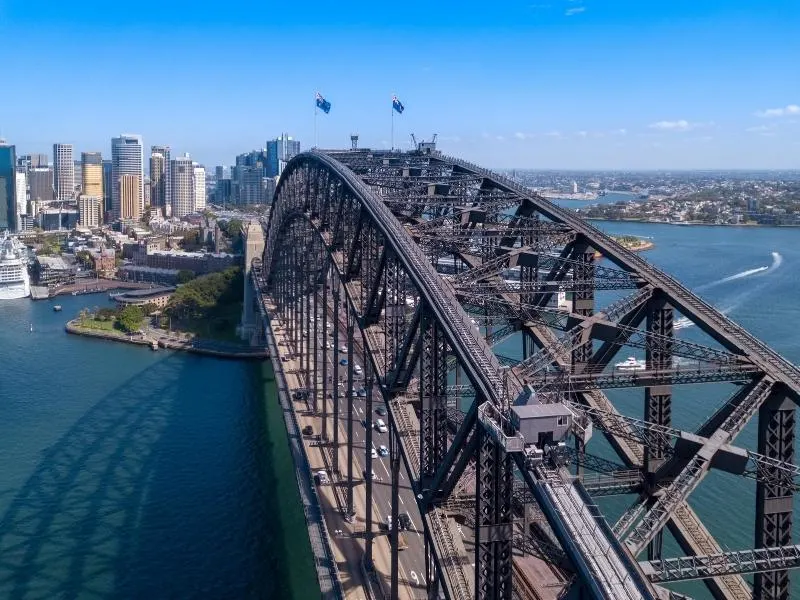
<point>185,276</point>
<point>130,318</point>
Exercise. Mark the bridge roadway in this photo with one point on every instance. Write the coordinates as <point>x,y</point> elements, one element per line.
<point>572,513</point>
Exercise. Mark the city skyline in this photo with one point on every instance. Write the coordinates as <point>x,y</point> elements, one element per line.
<point>557,84</point>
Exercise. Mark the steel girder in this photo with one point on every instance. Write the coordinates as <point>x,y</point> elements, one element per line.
<point>759,560</point>
<point>365,236</point>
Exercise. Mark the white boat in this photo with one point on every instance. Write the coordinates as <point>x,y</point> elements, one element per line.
<point>631,364</point>
<point>14,279</point>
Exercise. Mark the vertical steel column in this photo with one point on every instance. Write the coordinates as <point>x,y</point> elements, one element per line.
<point>493,521</point>
<point>349,402</point>
<point>325,284</point>
<point>314,345</point>
<point>657,399</point>
<point>335,376</point>
<point>433,396</point>
<point>583,300</point>
<point>368,384</point>
<point>774,500</point>
<point>394,469</point>
<point>302,320</point>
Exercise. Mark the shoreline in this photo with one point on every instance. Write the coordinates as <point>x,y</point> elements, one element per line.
<point>645,245</point>
<point>692,223</point>
<point>73,328</point>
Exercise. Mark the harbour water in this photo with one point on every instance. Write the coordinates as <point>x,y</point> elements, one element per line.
<point>131,474</point>
<point>753,275</point>
<point>136,474</point>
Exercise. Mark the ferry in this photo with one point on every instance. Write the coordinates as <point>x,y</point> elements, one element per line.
<point>14,279</point>
<point>631,364</point>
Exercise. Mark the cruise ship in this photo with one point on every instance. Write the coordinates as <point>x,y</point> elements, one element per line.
<point>14,279</point>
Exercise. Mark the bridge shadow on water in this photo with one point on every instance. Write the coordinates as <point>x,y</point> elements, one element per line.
<point>142,497</point>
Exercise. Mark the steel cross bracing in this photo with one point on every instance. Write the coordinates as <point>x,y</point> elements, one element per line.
<point>471,208</point>
<point>759,560</point>
<point>731,336</point>
<point>330,211</point>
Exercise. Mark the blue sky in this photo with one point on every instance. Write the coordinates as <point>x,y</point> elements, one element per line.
<point>534,84</point>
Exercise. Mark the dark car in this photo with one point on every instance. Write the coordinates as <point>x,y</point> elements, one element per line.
<point>381,410</point>
<point>308,430</point>
<point>405,521</point>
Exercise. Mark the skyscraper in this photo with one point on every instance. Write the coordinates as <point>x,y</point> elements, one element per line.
<point>159,176</point>
<point>199,196</point>
<point>92,174</point>
<point>129,197</point>
<point>182,186</point>
<point>22,197</point>
<point>8,184</point>
<point>64,171</point>
<point>280,151</point>
<point>90,211</point>
<point>40,181</point>
<point>107,187</point>
<point>126,159</point>
<point>77,176</point>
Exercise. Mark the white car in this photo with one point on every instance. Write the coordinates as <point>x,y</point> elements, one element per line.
<point>357,369</point>
<point>381,426</point>
<point>374,452</point>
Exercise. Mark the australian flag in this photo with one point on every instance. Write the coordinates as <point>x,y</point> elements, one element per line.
<point>323,104</point>
<point>397,105</point>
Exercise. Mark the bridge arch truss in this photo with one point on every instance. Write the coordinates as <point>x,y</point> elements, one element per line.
<point>354,247</point>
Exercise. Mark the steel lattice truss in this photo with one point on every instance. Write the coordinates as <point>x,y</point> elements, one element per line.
<point>429,263</point>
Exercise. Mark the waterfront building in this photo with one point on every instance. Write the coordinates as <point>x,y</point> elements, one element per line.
<point>104,261</point>
<point>63,171</point>
<point>126,159</point>
<point>8,184</point>
<point>90,211</point>
<point>199,195</point>
<point>40,180</point>
<point>280,151</point>
<point>182,188</point>
<point>158,297</point>
<point>129,197</point>
<point>92,174</point>
<point>52,270</point>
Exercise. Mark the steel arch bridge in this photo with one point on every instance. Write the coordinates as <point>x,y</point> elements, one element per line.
<point>426,264</point>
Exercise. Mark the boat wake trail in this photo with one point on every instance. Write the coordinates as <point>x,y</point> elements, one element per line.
<point>777,261</point>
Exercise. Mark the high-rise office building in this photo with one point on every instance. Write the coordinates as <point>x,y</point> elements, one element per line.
<point>77,175</point>
<point>129,197</point>
<point>22,197</point>
<point>107,187</point>
<point>126,159</point>
<point>90,211</point>
<point>160,176</point>
<point>8,184</point>
<point>29,161</point>
<point>92,174</point>
<point>63,171</point>
<point>182,186</point>
<point>199,196</point>
<point>40,182</point>
<point>280,151</point>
